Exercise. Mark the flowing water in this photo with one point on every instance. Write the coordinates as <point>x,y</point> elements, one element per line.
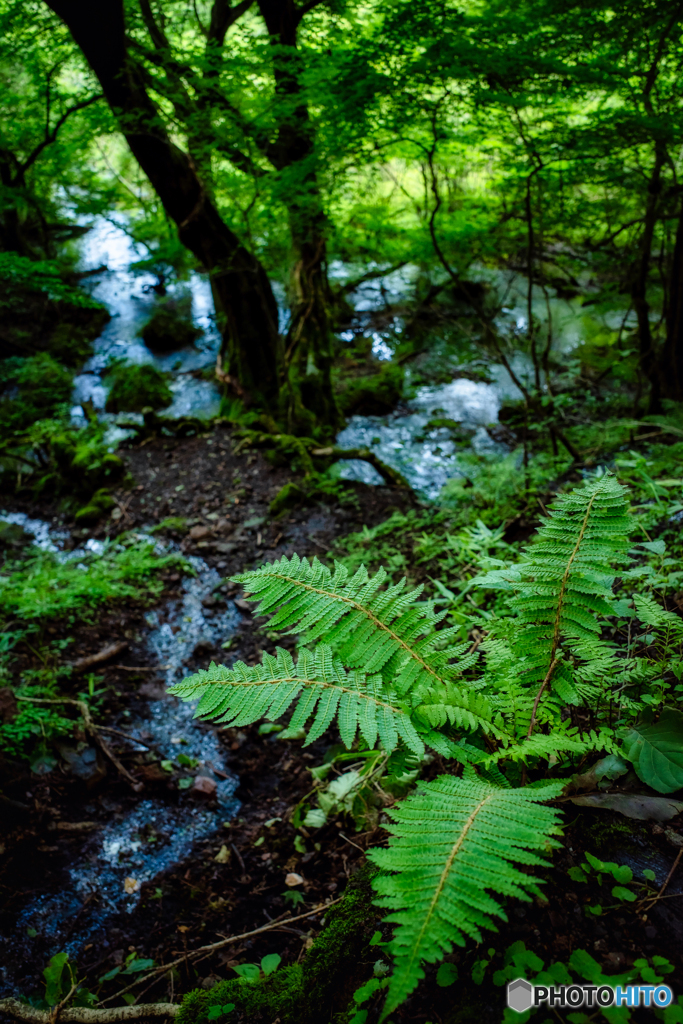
<point>136,845</point>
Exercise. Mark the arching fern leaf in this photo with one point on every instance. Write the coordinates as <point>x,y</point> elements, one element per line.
<point>385,631</point>
<point>319,686</point>
<point>451,842</point>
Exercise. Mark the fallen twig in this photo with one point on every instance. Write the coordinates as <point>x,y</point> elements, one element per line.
<point>87,1015</point>
<point>212,947</point>
<point>83,664</point>
<point>645,907</point>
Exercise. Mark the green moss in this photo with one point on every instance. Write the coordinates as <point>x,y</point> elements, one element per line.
<point>31,389</point>
<point>135,388</point>
<point>373,395</point>
<point>313,992</point>
<point>170,326</point>
<point>287,497</point>
<point>100,503</point>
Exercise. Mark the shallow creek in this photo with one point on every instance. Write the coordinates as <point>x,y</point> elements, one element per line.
<point>138,845</point>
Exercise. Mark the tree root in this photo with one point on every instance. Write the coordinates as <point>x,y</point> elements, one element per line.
<point>87,1015</point>
<point>303,450</point>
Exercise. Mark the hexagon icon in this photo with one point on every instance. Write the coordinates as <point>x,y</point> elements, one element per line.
<point>520,995</point>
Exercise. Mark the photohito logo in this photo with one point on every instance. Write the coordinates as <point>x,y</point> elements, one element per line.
<point>522,995</point>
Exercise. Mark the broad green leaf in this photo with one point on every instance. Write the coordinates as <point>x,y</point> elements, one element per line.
<point>270,963</point>
<point>655,749</point>
<point>53,978</point>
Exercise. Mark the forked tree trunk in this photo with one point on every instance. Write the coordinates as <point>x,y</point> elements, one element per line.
<point>244,300</point>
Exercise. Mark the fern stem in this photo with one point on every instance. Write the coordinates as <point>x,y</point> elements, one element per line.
<point>545,682</point>
<point>560,600</point>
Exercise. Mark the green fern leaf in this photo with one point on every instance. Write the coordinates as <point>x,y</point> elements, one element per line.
<point>321,688</point>
<point>380,631</point>
<point>451,842</point>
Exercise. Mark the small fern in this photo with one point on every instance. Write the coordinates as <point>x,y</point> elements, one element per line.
<point>451,842</point>
<point>562,586</point>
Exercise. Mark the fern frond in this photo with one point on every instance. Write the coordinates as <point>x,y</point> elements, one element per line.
<point>467,709</point>
<point>563,584</point>
<point>451,842</point>
<point>384,631</point>
<point>318,683</point>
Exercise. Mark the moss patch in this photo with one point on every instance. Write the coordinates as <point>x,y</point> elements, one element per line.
<point>170,326</point>
<point>313,992</point>
<point>373,395</point>
<point>135,388</point>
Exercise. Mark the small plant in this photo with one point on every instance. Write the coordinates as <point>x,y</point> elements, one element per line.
<point>376,662</point>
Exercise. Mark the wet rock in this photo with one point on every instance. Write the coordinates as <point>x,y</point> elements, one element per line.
<point>203,786</point>
<point>243,605</point>
<point>84,762</point>
<point>199,533</point>
<point>210,601</point>
<point>225,547</point>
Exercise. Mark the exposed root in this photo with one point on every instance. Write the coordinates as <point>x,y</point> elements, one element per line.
<point>85,1014</point>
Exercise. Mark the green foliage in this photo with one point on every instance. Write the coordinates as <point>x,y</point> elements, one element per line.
<point>655,747</point>
<point>451,842</point>
<point>36,388</point>
<point>44,586</point>
<point>135,387</point>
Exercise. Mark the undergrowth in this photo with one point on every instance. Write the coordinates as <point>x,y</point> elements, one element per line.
<point>531,663</point>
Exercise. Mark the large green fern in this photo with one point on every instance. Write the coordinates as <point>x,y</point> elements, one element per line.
<point>451,842</point>
<point>387,671</point>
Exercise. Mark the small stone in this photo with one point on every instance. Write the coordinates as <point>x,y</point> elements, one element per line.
<point>131,885</point>
<point>199,532</point>
<point>209,601</point>
<point>243,605</point>
<point>204,785</point>
<point>223,855</point>
<point>293,879</point>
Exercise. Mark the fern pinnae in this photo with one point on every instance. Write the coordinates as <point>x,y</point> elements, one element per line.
<point>384,631</point>
<point>451,842</point>
<point>321,688</point>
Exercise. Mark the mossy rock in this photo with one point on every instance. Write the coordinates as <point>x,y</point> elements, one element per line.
<point>172,524</point>
<point>373,395</point>
<point>287,497</point>
<point>100,503</point>
<point>313,992</point>
<point>32,389</point>
<point>13,536</point>
<point>170,327</point>
<point>136,387</point>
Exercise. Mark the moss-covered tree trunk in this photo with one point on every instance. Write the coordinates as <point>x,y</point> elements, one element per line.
<point>671,361</point>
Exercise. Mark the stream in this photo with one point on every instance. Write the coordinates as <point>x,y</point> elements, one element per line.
<point>136,845</point>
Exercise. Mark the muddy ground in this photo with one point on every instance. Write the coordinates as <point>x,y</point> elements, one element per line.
<point>235,880</point>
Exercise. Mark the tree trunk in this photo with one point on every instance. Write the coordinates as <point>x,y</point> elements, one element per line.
<point>245,304</point>
<point>308,345</point>
<point>671,361</point>
<point>639,282</point>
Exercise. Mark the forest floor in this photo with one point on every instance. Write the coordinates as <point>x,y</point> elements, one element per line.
<point>235,881</point>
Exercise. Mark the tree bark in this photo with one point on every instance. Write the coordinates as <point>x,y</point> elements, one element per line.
<point>245,304</point>
<point>308,345</point>
<point>671,361</point>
